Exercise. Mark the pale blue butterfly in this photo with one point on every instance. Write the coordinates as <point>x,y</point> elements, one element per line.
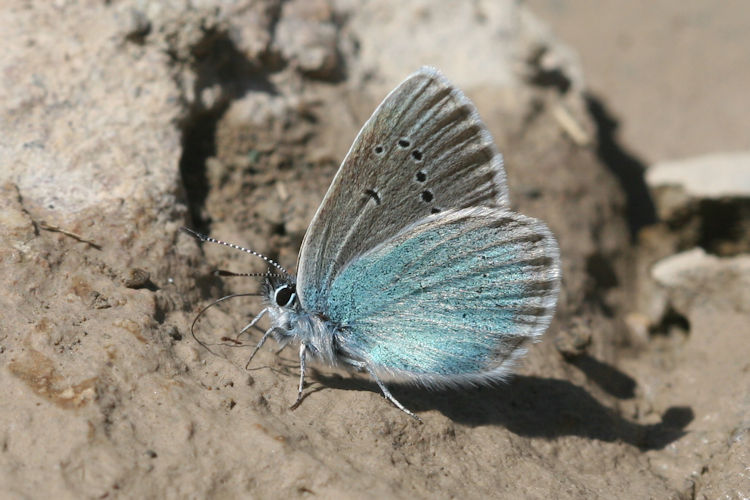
<point>414,268</point>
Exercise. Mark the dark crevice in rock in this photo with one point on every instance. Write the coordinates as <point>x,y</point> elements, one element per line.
<point>197,146</point>
<point>724,227</point>
<point>602,277</point>
<point>139,27</point>
<point>272,58</point>
<point>602,271</point>
<point>719,226</point>
<point>541,76</point>
<point>219,67</point>
<point>671,322</point>
<point>274,14</point>
<point>627,168</point>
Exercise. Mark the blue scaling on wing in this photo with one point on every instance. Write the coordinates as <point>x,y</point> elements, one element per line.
<point>456,294</point>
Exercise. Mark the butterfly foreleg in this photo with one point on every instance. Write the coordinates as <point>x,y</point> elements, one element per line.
<point>263,339</point>
<point>253,323</point>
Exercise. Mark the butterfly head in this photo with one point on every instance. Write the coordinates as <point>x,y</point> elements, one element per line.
<point>282,306</point>
<point>278,286</point>
<point>280,291</point>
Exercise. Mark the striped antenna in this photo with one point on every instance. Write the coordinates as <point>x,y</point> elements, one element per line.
<point>203,237</point>
<point>224,273</point>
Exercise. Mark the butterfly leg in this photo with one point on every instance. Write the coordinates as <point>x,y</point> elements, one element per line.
<point>302,351</point>
<point>263,339</point>
<point>387,394</point>
<point>253,322</point>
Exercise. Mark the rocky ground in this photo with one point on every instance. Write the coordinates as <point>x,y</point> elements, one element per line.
<point>123,121</point>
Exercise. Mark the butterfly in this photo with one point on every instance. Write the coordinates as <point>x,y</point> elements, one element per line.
<point>414,268</point>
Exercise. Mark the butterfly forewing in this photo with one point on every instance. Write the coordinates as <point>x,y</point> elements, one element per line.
<point>453,298</point>
<point>423,151</point>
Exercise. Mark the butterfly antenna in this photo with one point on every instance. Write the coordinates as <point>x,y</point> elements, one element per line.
<point>224,272</point>
<point>203,311</point>
<point>203,237</point>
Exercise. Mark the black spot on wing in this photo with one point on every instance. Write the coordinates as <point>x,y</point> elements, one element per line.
<point>374,195</point>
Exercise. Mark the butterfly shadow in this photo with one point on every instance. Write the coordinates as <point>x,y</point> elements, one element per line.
<point>534,407</point>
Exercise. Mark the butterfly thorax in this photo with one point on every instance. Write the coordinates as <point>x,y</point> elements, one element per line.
<point>292,323</point>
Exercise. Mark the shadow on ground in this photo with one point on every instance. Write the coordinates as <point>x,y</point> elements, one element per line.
<point>533,407</point>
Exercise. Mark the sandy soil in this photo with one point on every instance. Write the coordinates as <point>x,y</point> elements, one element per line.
<point>123,121</point>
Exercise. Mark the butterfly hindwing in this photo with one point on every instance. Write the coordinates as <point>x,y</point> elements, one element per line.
<point>424,150</point>
<point>450,299</point>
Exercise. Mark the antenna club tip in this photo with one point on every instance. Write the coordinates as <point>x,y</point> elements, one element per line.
<point>192,233</point>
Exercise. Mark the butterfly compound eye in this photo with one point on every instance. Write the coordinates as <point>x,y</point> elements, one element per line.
<point>284,295</point>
